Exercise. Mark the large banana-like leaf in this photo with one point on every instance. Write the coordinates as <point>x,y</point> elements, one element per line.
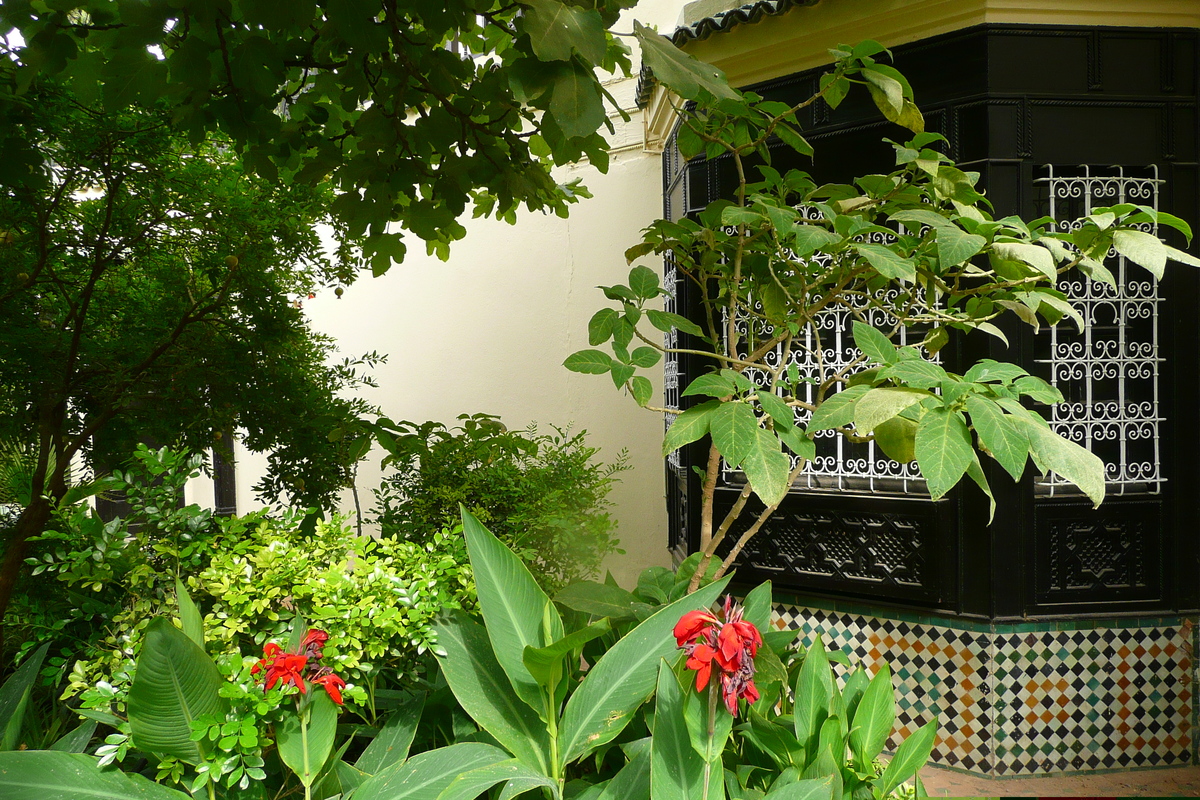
<point>305,752</point>
<point>51,775</point>
<point>390,745</point>
<point>518,614</point>
<point>676,769</point>
<point>174,684</point>
<point>624,678</point>
<point>14,697</point>
<point>426,775</point>
<point>469,785</point>
<point>479,684</point>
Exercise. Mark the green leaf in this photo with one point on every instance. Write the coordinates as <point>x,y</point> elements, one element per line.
<point>556,30</point>
<point>734,429</point>
<point>14,697</point>
<point>1142,248</point>
<point>873,344</point>
<point>1066,459</point>
<point>390,745</point>
<point>778,410</point>
<point>816,789</point>
<point>51,775</point>
<point>813,694</point>
<point>642,389</point>
<point>633,781</point>
<point>792,138</point>
<point>542,661</point>
<point>775,740</point>
<point>757,605</point>
<point>624,677</point>
<point>891,93</point>
<point>910,756</point>
<point>305,755</point>
<point>943,449</point>
<point>426,775</point>
<point>988,370</point>
<point>644,282</point>
<point>918,373</point>
<point>680,71</point>
<point>1036,388</point>
<point>838,410</point>
<point>600,327</point>
<point>470,784</point>
<point>77,739</point>
<point>810,238</point>
<point>597,599</point>
<point>954,245</point>
<point>645,357</point>
<point>711,384</point>
<point>174,684</point>
<point>575,102</point>
<point>880,405</point>
<point>590,362</point>
<point>767,468</point>
<point>189,615</point>
<point>797,442</point>
<point>676,769</point>
<point>1002,436</point>
<point>689,426</point>
<point>873,719</point>
<point>1181,257</point>
<point>478,683</point>
<point>887,263</point>
<point>513,607</point>
<point>897,438</point>
<point>1034,255</point>
<point>975,473</point>
<point>666,321</point>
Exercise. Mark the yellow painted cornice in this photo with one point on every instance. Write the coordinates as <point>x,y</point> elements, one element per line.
<point>799,39</point>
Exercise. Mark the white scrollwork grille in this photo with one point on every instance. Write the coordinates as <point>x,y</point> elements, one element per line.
<point>823,349</point>
<point>674,207</point>
<point>1108,374</point>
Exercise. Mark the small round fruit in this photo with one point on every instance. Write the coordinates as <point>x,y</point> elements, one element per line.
<point>339,291</point>
<point>231,261</point>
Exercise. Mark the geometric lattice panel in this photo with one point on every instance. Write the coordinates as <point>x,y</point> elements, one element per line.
<point>1025,702</point>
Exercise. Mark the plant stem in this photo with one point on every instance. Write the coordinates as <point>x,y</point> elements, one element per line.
<point>304,746</point>
<point>712,720</point>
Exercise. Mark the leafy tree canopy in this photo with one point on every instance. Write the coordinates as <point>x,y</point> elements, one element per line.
<point>416,111</point>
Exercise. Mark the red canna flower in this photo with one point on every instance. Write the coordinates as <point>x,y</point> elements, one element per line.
<point>269,652</point>
<point>314,642</point>
<point>333,685</point>
<point>282,667</point>
<point>287,668</point>
<point>730,642</point>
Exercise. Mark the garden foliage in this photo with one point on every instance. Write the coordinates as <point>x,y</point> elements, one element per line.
<point>543,494</point>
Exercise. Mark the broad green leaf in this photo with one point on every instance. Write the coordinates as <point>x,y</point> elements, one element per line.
<point>710,384</point>
<point>624,677</point>
<point>813,696</point>
<point>954,245</point>
<point>975,473</point>
<point>426,775</point>
<point>680,71</point>
<point>943,449</point>
<point>391,743</point>
<point>816,789</point>
<point>644,282</point>
<point>897,438</point>
<point>306,752</point>
<point>1001,435</point>
<point>766,466</point>
<point>1034,255</point>
<point>51,775</point>
<point>810,238</point>
<point>174,683</point>
<point>576,103</point>
<point>734,429</point>
<point>689,426</point>
<point>873,344</point>
<point>512,605</point>
<point>910,756</point>
<point>478,683</point>
<point>837,410</point>
<point>797,442</point>
<point>189,615</point>
<point>1181,257</point>
<point>1067,460</point>
<point>666,321</point>
<point>14,697</point>
<point>873,719</point>
<point>695,715</point>
<point>597,599</point>
<point>774,740</point>
<point>469,785</point>
<point>1142,248</point>
<point>988,370</point>
<point>645,357</point>
<point>589,362</point>
<point>77,739</point>
<point>757,605</point>
<point>632,782</point>
<point>676,769</point>
<point>556,29</point>
<point>600,326</point>
<point>886,262</point>
<point>880,405</point>
<point>778,410</point>
<point>541,661</point>
<point>918,373</point>
<point>1037,389</point>
<point>642,389</point>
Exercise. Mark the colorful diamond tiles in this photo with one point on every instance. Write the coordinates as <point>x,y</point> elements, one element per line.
<point>1031,702</point>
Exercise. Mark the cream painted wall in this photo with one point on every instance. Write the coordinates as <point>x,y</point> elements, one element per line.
<point>488,331</point>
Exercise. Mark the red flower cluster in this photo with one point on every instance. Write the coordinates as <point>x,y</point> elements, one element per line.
<point>729,642</point>
<point>295,668</point>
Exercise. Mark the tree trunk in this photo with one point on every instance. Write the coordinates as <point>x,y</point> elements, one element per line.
<point>31,523</point>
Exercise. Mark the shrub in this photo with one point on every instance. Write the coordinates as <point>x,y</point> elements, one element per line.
<point>543,494</point>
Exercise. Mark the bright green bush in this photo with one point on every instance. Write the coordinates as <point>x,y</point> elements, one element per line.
<point>543,494</point>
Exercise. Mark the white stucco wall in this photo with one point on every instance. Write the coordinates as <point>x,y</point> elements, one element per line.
<point>488,330</point>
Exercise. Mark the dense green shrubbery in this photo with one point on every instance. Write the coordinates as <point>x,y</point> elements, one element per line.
<point>543,494</point>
